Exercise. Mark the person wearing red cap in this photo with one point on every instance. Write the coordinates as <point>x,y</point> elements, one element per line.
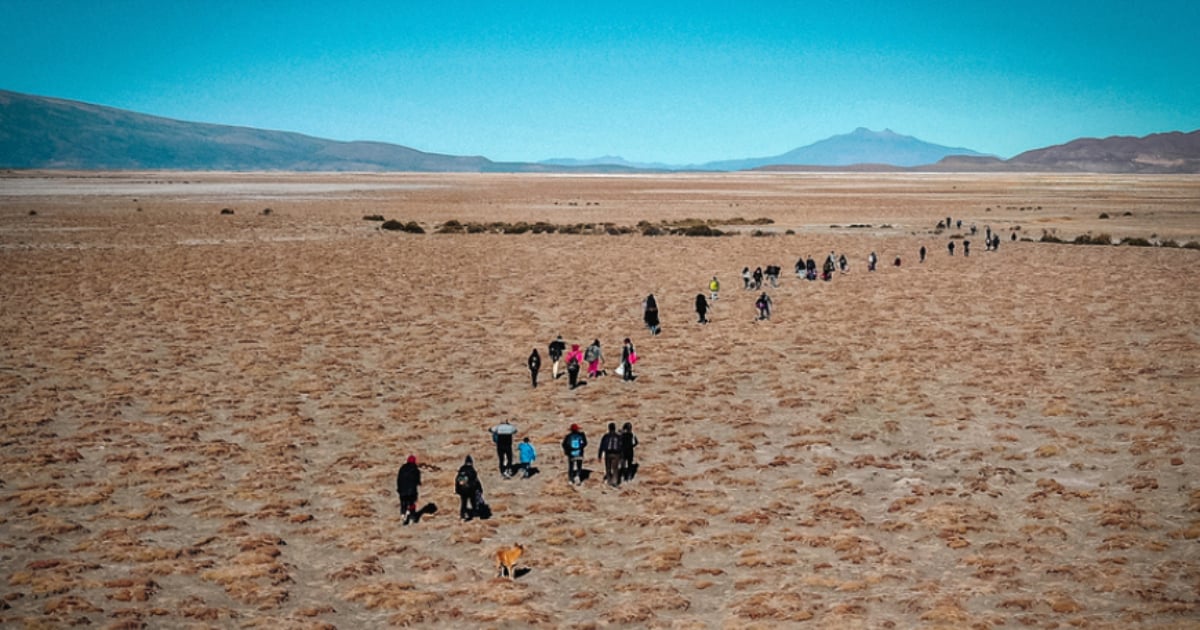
<point>573,446</point>
<point>407,481</point>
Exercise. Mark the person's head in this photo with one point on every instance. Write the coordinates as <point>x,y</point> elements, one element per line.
<point>559,338</point>
<point>595,342</point>
<point>612,427</point>
<point>526,440</point>
<point>468,461</point>
<point>574,428</point>
<point>628,427</point>
<point>412,459</point>
<point>627,341</point>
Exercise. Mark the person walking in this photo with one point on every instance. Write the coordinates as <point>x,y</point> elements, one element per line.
<point>746,278</point>
<point>650,314</point>
<point>922,252</point>
<point>714,289</point>
<point>574,358</point>
<point>468,489</point>
<point>763,304</point>
<point>950,246</point>
<point>557,347</point>
<point>527,455</point>
<point>628,358</point>
<point>702,308</point>
<point>535,364</point>
<point>966,248</point>
<point>629,442</point>
<point>758,278</point>
<point>872,260</point>
<point>610,454</point>
<point>502,437</point>
<point>573,446</point>
<point>407,480</point>
<point>594,358</point>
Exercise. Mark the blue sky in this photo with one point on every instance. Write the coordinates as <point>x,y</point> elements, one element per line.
<point>673,82</point>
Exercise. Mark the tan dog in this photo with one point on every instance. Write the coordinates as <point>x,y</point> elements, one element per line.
<point>506,560</point>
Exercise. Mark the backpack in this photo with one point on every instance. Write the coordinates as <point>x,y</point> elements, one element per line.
<point>462,483</point>
<point>573,363</point>
<point>575,443</point>
<point>591,353</point>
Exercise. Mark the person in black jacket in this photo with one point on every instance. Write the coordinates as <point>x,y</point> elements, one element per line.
<point>702,308</point>
<point>535,364</point>
<point>573,446</point>
<point>557,348</point>
<point>468,489</point>
<point>407,480</point>
<point>650,314</point>
<point>629,442</point>
<point>610,452</point>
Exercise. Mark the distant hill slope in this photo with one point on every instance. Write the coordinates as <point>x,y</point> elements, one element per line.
<point>862,146</point>
<point>1174,152</point>
<point>39,132</point>
<point>42,132</point>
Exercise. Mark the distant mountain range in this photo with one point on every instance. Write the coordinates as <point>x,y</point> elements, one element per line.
<point>39,132</point>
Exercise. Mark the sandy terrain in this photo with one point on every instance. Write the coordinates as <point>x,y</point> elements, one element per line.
<point>202,415</point>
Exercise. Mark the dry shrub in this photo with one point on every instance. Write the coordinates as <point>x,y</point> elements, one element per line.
<point>1191,532</point>
<point>70,604</point>
<point>132,589</point>
<point>506,592</point>
<point>664,560</point>
<point>777,606</point>
<point>367,566</point>
<point>1121,515</point>
<point>825,511</point>
<point>391,596</point>
<point>512,616</point>
<point>947,611</point>
<point>754,517</point>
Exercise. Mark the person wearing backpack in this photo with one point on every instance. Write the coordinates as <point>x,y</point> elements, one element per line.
<point>628,358</point>
<point>557,347</point>
<point>502,437</point>
<point>574,358</point>
<point>629,442</point>
<point>610,452</point>
<point>535,364</point>
<point>702,308</point>
<point>407,480</point>
<point>573,446</point>
<point>594,358</point>
<point>527,456</point>
<point>468,489</point>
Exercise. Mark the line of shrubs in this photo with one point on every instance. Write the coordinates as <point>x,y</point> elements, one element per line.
<point>1106,239</point>
<point>684,227</point>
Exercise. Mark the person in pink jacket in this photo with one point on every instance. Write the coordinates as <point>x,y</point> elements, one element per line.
<point>574,359</point>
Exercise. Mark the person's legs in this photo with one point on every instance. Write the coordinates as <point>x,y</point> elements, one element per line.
<point>463,513</point>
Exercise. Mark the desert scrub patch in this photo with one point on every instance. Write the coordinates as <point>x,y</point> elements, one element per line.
<point>412,227</point>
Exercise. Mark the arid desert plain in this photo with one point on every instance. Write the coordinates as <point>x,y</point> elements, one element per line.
<point>202,413</point>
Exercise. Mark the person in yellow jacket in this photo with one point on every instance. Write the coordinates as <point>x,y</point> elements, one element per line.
<point>714,288</point>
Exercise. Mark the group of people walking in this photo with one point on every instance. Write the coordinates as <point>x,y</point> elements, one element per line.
<point>616,452</point>
<point>574,359</point>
